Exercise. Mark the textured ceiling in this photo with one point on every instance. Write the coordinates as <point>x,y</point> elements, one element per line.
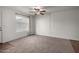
<point>28,9</point>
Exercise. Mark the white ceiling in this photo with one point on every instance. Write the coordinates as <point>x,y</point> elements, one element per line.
<point>27,9</point>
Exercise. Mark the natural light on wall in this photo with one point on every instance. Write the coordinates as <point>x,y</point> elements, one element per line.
<point>22,23</point>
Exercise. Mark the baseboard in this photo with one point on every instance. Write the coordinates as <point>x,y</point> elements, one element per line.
<point>76,39</point>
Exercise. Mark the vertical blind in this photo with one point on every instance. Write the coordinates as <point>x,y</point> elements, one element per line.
<point>22,23</point>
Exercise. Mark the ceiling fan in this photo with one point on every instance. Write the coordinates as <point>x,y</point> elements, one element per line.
<point>38,10</point>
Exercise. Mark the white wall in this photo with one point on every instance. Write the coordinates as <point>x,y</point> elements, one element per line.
<point>9,25</point>
<point>62,24</point>
<point>42,25</point>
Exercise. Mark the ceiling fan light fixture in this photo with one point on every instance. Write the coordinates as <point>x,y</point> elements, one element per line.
<point>39,10</point>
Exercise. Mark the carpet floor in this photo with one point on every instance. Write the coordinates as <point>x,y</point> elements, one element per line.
<point>37,44</point>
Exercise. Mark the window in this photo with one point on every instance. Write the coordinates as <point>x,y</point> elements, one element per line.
<point>22,23</point>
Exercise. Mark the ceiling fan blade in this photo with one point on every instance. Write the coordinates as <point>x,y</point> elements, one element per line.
<point>41,13</point>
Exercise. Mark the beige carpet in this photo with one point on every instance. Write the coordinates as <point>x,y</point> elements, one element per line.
<point>39,44</point>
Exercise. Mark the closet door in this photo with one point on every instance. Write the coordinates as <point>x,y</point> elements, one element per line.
<point>9,27</point>
<point>0,26</point>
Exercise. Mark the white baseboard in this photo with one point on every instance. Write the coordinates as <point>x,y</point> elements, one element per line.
<point>68,38</point>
